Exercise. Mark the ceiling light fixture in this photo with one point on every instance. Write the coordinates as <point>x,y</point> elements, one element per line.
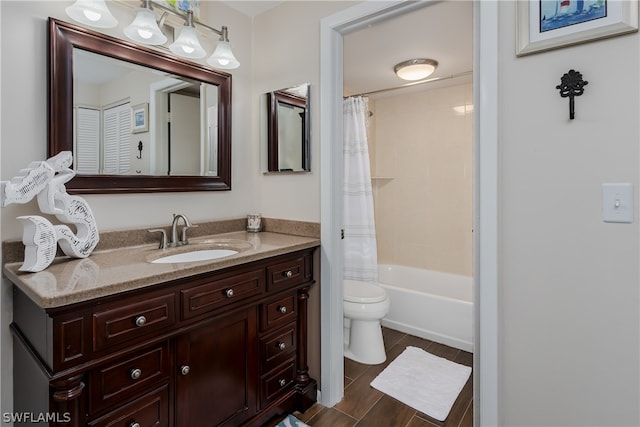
<point>145,29</point>
<point>94,13</point>
<point>415,69</point>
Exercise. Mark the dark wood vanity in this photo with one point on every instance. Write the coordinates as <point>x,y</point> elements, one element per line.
<point>220,348</point>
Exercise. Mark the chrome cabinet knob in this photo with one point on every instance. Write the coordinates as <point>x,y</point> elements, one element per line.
<point>135,373</point>
<point>184,369</point>
<point>141,321</point>
<point>281,346</point>
<point>282,382</point>
<point>289,274</point>
<point>134,424</point>
<point>282,309</point>
<point>229,293</point>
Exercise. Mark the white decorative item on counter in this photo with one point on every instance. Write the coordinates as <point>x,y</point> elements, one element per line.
<point>45,180</point>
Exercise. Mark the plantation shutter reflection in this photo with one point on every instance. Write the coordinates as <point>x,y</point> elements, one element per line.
<point>117,140</point>
<point>87,149</point>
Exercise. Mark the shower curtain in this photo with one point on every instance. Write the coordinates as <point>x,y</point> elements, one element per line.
<point>360,249</point>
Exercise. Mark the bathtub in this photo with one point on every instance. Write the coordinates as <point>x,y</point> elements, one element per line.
<point>429,304</point>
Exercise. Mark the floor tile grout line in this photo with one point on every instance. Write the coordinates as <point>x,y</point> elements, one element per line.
<point>369,410</point>
<point>469,405</point>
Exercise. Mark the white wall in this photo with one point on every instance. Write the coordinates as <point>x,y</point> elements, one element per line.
<point>569,300</point>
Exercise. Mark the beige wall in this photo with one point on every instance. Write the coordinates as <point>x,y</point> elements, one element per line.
<point>568,284</point>
<point>423,192</point>
<point>286,43</point>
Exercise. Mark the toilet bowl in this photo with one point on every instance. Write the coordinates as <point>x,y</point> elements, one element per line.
<point>365,304</point>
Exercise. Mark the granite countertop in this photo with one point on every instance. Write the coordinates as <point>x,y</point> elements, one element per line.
<point>108,272</point>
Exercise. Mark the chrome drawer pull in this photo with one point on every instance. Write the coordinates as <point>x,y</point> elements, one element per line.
<point>281,346</point>
<point>135,373</point>
<point>289,274</point>
<point>141,321</point>
<point>282,309</point>
<point>282,382</point>
<point>134,424</point>
<point>229,293</point>
<point>184,370</point>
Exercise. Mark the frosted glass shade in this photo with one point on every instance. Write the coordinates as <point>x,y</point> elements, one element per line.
<point>415,69</point>
<point>187,45</point>
<point>223,57</point>
<point>144,29</point>
<point>94,13</point>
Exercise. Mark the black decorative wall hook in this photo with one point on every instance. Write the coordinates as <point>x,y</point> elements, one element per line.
<point>572,85</point>
<point>139,156</point>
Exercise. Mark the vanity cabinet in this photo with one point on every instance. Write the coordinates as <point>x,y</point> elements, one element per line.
<point>224,348</point>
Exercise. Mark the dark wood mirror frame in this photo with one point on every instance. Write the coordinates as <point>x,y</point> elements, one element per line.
<point>63,38</point>
<point>274,98</point>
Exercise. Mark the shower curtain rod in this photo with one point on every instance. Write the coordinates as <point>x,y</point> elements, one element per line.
<point>435,79</point>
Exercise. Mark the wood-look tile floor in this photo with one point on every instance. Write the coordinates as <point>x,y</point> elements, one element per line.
<point>364,406</point>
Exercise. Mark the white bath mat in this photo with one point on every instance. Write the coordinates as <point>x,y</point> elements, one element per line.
<point>291,421</point>
<point>427,383</point>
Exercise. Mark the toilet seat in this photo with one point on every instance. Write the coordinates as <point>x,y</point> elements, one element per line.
<point>363,292</point>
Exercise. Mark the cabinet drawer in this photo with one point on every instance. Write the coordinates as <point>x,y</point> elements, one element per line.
<point>276,347</point>
<point>216,293</point>
<point>275,383</point>
<point>287,273</point>
<point>117,381</point>
<point>123,321</point>
<point>149,410</point>
<point>277,312</point>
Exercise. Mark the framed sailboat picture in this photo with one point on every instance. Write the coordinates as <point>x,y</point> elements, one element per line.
<point>551,24</point>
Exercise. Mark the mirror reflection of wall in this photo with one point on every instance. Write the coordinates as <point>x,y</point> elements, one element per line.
<point>287,130</point>
<point>177,140</point>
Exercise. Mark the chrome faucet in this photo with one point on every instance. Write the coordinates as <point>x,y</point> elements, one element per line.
<point>174,230</point>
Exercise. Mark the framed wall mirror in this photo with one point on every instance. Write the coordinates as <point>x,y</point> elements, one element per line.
<point>288,129</point>
<point>136,119</point>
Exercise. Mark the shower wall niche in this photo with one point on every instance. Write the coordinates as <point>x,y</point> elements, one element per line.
<point>421,163</point>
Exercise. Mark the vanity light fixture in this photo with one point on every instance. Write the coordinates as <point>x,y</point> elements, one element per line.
<point>145,29</point>
<point>415,69</point>
<point>94,13</point>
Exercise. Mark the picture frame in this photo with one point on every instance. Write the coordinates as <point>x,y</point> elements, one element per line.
<point>543,25</point>
<point>140,118</point>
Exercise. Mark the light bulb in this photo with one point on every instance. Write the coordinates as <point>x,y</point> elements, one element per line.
<point>92,16</point>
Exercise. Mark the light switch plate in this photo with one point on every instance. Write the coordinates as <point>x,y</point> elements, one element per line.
<point>617,202</point>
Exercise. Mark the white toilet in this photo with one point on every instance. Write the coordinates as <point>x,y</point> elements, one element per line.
<point>365,304</point>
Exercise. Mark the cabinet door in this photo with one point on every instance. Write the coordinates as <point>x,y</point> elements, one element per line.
<point>217,371</point>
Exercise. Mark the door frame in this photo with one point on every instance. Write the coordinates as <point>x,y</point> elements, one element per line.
<point>485,212</point>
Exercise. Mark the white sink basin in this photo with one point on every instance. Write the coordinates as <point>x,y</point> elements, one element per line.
<point>194,256</point>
